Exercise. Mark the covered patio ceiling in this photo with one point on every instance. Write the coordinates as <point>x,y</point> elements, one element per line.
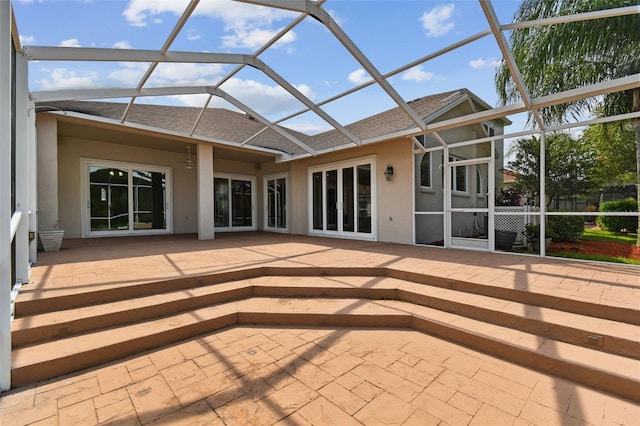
<point>389,85</point>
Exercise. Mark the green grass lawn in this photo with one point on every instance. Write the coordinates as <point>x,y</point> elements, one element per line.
<point>606,236</point>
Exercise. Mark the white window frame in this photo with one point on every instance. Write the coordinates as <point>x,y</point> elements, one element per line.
<point>454,177</point>
<point>254,189</point>
<point>425,187</point>
<point>85,199</point>
<point>265,201</point>
<point>339,165</point>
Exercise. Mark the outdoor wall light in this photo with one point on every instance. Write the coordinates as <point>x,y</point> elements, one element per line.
<point>388,172</point>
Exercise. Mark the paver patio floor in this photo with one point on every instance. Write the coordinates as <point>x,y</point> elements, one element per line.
<point>335,376</point>
<point>300,376</point>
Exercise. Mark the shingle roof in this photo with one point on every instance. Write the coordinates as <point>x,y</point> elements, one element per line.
<point>218,123</point>
<point>386,122</point>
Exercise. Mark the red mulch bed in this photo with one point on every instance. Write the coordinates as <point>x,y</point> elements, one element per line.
<point>630,251</point>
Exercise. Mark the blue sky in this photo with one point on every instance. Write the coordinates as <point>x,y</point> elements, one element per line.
<point>390,32</point>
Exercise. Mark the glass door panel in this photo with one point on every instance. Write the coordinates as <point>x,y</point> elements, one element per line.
<point>364,198</point>
<point>348,206</point>
<point>233,202</point>
<point>271,204</point>
<point>281,203</point>
<point>317,202</point>
<point>149,200</point>
<point>276,203</point>
<point>332,200</point>
<point>241,205</point>
<point>221,202</point>
<point>108,198</point>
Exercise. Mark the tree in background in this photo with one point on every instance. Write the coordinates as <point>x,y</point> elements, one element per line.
<point>571,167</point>
<point>560,57</point>
<point>615,148</point>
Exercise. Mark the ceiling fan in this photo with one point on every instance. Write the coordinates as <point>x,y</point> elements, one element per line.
<point>189,163</point>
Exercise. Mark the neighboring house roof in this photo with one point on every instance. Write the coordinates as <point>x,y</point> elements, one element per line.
<point>226,125</point>
<point>509,176</point>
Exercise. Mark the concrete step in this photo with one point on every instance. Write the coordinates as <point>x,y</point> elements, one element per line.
<point>32,301</point>
<point>613,373</point>
<point>600,334</point>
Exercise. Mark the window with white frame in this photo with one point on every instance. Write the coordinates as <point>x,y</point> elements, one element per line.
<point>425,170</point>
<point>459,182</point>
<point>489,129</point>
<point>458,177</point>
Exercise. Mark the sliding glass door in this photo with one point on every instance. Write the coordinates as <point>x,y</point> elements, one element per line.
<point>126,198</point>
<point>234,203</point>
<point>342,199</point>
<point>276,207</point>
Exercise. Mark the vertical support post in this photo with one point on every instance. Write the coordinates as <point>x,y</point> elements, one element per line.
<point>206,222</point>
<point>5,195</point>
<point>543,194</point>
<point>491,197</point>
<point>446,189</point>
<point>47,125</point>
<point>33,181</point>
<point>23,169</point>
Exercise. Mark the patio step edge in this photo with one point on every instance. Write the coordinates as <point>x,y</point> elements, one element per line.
<point>562,325</point>
<point>607,372</point>
<point>34,302</point>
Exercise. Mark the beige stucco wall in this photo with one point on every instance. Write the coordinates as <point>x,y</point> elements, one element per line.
<point>394,199</point>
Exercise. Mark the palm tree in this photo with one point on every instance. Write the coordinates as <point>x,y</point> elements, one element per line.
<point>560,57</point>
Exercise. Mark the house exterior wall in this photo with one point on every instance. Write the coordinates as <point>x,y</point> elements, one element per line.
<point>394,198</point>
<point>393,201</point>
<point>72,151</point>
<point>61,181</point>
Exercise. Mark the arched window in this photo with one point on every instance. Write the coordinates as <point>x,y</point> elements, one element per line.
<point>425,170</point>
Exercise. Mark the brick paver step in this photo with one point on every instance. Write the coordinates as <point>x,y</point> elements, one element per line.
<point>621,307</point>
<point>616,374</point>
<point>600,334</point>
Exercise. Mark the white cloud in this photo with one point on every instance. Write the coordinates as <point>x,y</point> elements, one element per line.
<point>197,101</point>
<point>27,39</point>
<point>482,63</point>
<point>254,38</point>
<point>129,74</point>
<point>359,76</point>
<point>308,128</point>
<point>247,25</point>
<point>139,12</point>
<point>72,42</point>
<point>417,74</point>
<point>193,35</point>
<point>438,21</point>
<point>264,98</point>
<point>62,78</point>
<point>123,44</point>
<point>177,74</point>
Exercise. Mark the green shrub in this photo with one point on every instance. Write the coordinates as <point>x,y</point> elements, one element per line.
<point>565,228</point>
<point>616,224</point>
<point>590,209</point>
